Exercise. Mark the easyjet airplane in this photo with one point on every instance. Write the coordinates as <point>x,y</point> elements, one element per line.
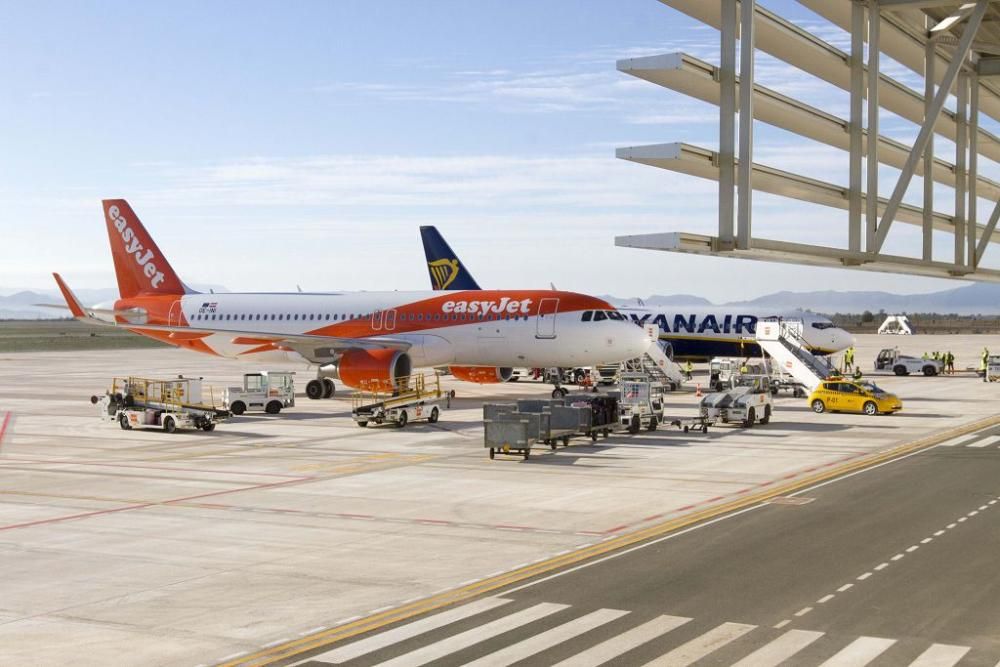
<point>373,337</point>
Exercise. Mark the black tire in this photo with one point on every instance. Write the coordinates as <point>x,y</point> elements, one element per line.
<point>434,416</point>
<point>578,376</point>
<point>767,415</point>
<point>818,406</point>
<point>704,429</point>
<point>900,370</point>
<point>492,453</point>
<point>557,393</point>
<point>652,424</point>
<point>593,436</point>
<point>169,425</point>
<point>328,388</point>
<point>123,422</point>
<point>402,419</point>
<point>870,408</point>
<point>607,432</point>
<point>565,441</point>
<point>514,378</point>
<point>686,429</point>
<point>527,454</point>
<point>315,389</point>
<point>362,424</point>
<point>551,444</point>
<point>930,371</point>
<point>273,408</point>
<point>565,391</point>
<point>208,428</point>
<point>635,425</point>
<point>751,418</point>
<point>238,408</point>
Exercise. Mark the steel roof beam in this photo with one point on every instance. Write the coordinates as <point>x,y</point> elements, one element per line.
<point>809,53</point>
<point>901,43</point>
<point>988,66</point>
<point>697,161</point>
<point>784,252</point>
<point>928,127</point>
<point>701,80</point>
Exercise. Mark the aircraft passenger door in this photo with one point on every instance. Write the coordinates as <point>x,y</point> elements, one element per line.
<point>377,320</point>
<point>390,320</point>
<point>545,323</point>
<point>174,317</point>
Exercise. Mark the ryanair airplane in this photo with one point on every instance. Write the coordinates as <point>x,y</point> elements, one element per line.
<point>694,334</point>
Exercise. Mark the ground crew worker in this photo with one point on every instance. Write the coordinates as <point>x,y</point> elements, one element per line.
<point>924,356</point>
<point>688,370</point>
<point>984,362</point>
<point>950,361</point>
<point>848,358</point>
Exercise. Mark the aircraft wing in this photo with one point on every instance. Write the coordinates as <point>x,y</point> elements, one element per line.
<point>314,347</point>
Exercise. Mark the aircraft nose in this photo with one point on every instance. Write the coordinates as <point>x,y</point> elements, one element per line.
<point>638,339</point>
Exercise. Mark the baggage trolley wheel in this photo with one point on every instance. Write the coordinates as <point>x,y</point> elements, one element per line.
<point>565,441</point>
<point>686,429</point>
<point>493,453</point>
<point>527,454</point>
<point>607,432</point>
<point>551,444</point>
<point>593,436</point>
<point>704,429</point>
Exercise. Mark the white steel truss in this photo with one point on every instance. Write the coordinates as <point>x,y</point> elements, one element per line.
<point>955,46</point>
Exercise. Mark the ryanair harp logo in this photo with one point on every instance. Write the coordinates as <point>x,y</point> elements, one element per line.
<point>443,272</point>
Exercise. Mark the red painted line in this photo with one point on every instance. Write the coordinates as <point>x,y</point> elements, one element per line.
<point>685,508</point>
<point>616,528</point>
<point>653,518</point>
<point>137,506</point>
<point>6,422</point>
<point>766,483</point>
<point>712,500</point>
<point>743,491</point>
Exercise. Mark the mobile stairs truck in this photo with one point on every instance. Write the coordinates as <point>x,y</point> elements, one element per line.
<point>181,403</point>
<point>782,340</point>
<point>409,399</point>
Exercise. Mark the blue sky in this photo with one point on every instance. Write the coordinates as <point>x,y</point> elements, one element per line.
<point>272,144</point>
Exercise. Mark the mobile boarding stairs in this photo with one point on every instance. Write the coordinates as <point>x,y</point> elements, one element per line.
<point>655,364</point>
<point>782,340</point>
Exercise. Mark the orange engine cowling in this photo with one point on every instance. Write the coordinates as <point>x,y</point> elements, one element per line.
<point>482,374</point>
<point>374,370</point>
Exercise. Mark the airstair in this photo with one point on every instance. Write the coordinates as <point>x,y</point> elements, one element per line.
<point>782,340</point>
<point>657,366</point>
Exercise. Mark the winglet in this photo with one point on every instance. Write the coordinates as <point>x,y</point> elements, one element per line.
<point>71,301</point>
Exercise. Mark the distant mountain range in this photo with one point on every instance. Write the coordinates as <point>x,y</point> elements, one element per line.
<point>974,299</point>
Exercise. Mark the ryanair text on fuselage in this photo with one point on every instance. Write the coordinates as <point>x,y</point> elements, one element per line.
<point>740,325</point>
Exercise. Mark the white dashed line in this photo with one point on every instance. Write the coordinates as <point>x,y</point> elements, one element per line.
<point>881,566</point>
<point>825,599</point>
<point>277,641</point>
<point>323,627</point>
<point>803,611</point>
<point>992,502</point>
<point>231,656</point>
<point>973,513</point>
<point>951,525</point>
<point>845,587</point>
<point>983,507</point>
<point>963,518</point>
<point>864,576</point>
<point>897,556</point>
<point>939,533</point>
<point>910,550</point>
<point>926,540</point>
<point>347,620</point>
<point>778,626</point>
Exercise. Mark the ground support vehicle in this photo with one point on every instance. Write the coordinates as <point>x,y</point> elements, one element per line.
<point>750,402</point>
<point>270,391</point>
<point>891,359</point>
<point>180,403</point>
<point>414,397</point>
<point>641,403</point>
<point>992,373</point>
<point>842,395</point>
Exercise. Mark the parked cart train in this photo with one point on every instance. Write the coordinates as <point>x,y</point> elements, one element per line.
<point>513,428</point>
<point>179,403</point>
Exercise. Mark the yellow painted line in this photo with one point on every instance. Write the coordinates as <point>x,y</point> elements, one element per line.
<point>326,638</point>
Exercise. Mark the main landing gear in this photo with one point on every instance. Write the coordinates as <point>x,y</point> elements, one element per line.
<point>320,388</point>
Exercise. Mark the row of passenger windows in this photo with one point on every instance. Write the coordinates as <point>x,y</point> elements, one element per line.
<point>601,315</point>
<point>403,317</point>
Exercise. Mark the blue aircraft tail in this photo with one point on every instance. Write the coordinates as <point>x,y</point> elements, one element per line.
<point>446,270</point>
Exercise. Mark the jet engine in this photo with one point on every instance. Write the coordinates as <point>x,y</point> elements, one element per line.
<point>375,370</point>
<point>482,374</point>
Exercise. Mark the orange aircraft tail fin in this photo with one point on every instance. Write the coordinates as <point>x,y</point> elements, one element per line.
<point>139,265</point>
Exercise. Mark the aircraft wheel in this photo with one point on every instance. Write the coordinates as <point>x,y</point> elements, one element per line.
<point>328,388</point>
<point>315,389</point>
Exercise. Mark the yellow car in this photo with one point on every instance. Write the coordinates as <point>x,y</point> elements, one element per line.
<point>840,395</point>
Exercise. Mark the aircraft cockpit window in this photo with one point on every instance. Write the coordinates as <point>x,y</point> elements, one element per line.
<point>615,315</point>
<point>587,316</point>
<point>600,316</point>
<point>822,325</point>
